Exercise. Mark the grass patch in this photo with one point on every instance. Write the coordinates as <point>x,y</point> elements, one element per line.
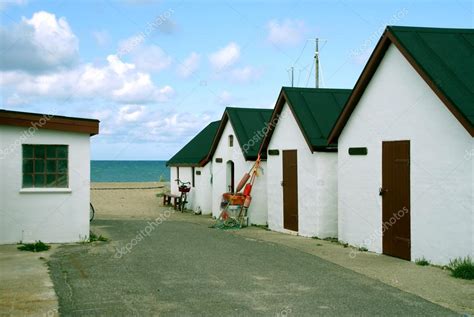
<point>363,249</point>
<point>319,244</point>
<point>38,246</point>
<point>422,262</point>
<point>462,268</point>
<point>315,238</point>
<point>93,237</point>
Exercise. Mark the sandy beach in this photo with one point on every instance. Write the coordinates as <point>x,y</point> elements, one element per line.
<point>127,200</point>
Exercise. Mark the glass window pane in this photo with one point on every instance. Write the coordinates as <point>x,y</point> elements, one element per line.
<point>51,180</point>
<point>39,151</point>
<point>27,180</point>
<point>62,180</point>
<point>27,151</point>
<point>51,151</point>
<point>51,166</point>
<point>62,151</point>
<point>28,166</point>
<point>39,180</point>
<point>39,166</point>
<point>62,166</point>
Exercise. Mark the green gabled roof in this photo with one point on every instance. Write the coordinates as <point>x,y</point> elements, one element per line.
<point>316,111</point>
<point>196,150</point>
<point>447,57</point>
<point>444,58</point>
<point>249,124</point>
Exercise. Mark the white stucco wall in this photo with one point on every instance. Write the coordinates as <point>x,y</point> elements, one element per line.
<point>317,182</point>
<point>46,216</point>
<point>258,209</point>
<point>203,190</point>
<point>399,105</point>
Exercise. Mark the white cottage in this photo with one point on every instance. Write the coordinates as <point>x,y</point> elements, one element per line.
<point>44,177</point>
<point>301,166</point>
<point>190,165</point>
<point>405,139</point>
<point>233,153</point>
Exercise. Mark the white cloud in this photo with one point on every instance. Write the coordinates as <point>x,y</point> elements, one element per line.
<point>6,3</point>
<point>151,58</point>
<point>225,57</point>
<point>42,43</point>
<point>173,127</point>
<point>286,32</point>
<point>189,65</point>
<point>131,113</point>
<point>102,38</point>
<point>117,81</point>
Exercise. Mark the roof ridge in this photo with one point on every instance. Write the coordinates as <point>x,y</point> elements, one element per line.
<point>429,29</point>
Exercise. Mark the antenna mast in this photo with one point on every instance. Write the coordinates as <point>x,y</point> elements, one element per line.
<point>316,63</point>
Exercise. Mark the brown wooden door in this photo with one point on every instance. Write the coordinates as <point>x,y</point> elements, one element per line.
<point>396,199</point>
<point>290,190</point>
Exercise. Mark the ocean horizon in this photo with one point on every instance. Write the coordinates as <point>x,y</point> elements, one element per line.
<point>104,171</point>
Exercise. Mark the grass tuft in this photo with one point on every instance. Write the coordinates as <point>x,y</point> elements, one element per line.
<point>462,268</point>
<point>38,246</point>
<point>363,249</point>
<point>93,237</point>
<point>422,262</point>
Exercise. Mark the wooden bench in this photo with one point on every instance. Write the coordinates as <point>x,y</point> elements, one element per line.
<point>176,200</point>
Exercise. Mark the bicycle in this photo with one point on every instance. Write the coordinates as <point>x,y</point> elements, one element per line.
<point>184,189</point>
<point>91,212</point>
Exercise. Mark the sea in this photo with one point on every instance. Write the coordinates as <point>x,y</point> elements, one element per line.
<point>129,171</point>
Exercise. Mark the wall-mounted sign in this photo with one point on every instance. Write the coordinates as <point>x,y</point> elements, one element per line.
<point>218,159</point>
<point>273,152</point>
<point>357,151</point>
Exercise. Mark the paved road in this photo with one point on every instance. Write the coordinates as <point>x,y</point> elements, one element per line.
<point>185,269</point>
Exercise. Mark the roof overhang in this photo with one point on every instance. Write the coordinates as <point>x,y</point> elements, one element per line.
<point>368,72</point>
<point>38,121</point>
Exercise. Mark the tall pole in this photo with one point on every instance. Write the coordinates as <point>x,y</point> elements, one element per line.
<point>316,62</point>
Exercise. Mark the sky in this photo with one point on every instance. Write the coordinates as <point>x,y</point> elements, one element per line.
<point>156,72</point>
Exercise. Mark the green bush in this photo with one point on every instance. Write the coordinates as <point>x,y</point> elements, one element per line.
<point>38,246</point>
<point>462,268</point>
<point>422,262</point>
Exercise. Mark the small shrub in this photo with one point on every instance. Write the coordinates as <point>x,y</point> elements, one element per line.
<point>315,237</point>
<point>363,249</point>
<point>319,245</point>
<point>462,268</point>
<point>93,237</point>
<point>335,240</point>
<point>38,246</point>
<point>422,262</point>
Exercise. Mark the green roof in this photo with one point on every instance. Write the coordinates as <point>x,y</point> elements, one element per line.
<point>249,126</point>
<point>316,111</point>
<point>447,57</point>
<point>194,153</point>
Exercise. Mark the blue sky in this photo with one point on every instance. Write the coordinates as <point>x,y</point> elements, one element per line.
<point>156,72</point>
